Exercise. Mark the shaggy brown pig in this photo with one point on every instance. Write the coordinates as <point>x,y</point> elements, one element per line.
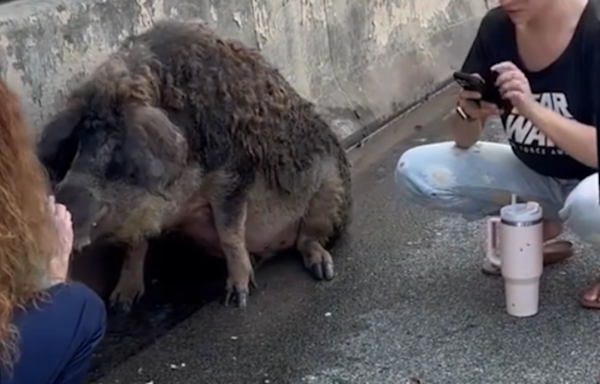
<point>181,129</point>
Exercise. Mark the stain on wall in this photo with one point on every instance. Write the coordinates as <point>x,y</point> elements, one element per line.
<point>360,62</point>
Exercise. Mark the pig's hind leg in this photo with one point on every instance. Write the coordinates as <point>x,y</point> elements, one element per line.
<point>326,216</point>
<point>130,287</point>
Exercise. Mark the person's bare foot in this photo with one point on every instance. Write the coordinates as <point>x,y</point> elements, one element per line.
<point>551,230</point>
<point>591,296</point>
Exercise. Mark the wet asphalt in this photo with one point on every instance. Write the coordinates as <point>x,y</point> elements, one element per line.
<point>408,305</point>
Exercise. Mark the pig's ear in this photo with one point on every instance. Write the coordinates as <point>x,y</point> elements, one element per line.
<point>156,149</point>
<point>57,145</point>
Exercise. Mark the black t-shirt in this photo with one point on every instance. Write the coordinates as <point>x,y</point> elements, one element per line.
<point>568,86</point>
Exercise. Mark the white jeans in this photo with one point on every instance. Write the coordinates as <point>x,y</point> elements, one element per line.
<point>478,181</point>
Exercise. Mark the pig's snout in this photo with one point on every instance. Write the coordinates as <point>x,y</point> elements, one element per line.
<point>80,243</point>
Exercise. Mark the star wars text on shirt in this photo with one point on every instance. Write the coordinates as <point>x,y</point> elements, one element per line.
<point>526,137</point>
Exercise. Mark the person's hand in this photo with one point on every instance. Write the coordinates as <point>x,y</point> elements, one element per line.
<point>514,86</point>
<point>474,107</point>
<point>59,265</point>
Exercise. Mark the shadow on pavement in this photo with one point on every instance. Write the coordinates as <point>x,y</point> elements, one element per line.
<point>179,280</point>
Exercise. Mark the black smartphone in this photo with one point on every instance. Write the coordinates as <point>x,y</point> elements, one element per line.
<point>486,87</point>
<point>469,82</point>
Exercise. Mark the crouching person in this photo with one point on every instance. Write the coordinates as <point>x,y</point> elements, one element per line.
<point>551,157</point>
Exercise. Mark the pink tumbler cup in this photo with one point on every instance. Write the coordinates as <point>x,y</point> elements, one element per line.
<point>515,244</point>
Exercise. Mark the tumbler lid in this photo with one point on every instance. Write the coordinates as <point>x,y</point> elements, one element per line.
<point>521,212</point>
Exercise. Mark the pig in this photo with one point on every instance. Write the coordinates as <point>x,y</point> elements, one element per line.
<point>182,129</point>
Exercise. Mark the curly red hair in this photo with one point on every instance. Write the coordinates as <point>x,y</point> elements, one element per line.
<point>25,233</point>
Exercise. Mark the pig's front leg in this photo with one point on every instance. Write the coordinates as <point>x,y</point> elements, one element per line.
<point>130,287</point>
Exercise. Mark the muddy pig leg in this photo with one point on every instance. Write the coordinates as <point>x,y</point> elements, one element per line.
<point>324,216</point>
<point>130,287</point>
<point>230,222</point>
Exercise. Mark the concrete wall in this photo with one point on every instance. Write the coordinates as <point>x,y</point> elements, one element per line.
<point>361,61</point>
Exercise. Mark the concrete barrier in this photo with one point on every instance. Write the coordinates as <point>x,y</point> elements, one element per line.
<point>361,62</point>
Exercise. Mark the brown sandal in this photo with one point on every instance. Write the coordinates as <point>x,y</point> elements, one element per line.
<point>555,251</point>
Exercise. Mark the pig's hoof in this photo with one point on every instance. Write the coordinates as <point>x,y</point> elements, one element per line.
<point>239,298</point>
<point>238,285</point>
<point>323,271</point>
<point>319,262</point>
<point>123,306</point>
<point>238,292</point>
<point>123,299</point>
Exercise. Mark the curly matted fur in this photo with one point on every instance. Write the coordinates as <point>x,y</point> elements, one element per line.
<point>178,118</point>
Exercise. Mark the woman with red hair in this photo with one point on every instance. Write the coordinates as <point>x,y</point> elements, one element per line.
<point>48,327</point>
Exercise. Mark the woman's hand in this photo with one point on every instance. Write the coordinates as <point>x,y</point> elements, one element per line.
<point>474,107</point>
<point>59,265</point>
<point>514,86</point>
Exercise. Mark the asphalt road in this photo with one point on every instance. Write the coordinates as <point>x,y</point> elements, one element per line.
<point>409,305</point>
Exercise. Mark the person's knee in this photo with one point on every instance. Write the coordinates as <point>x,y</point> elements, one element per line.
<point>84,302</point>
<point>581,211</point>
<point>422,177</point>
